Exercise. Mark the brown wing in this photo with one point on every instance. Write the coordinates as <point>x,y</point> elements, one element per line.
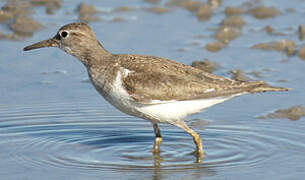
<point>154,78</point>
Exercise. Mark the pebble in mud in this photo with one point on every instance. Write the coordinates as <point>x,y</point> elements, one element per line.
<point>117,19</point>
<point>14,8</point>
<point>55,3</point>
<point>215,46</point>
<point>239,75</point>
<point>4,16</point>
<point>262,12</point>
<point>17,13</point>
<point>287,46</point>
<point>215,3</point>
<point>301,31</point>
<point>87,12</point>
<point>189,5</point>
<point>17,7</point>
<point>152,1</point>
<point>182,49</point>
<point>293,113</point>
<point>13,37</point>
<point>51,5</point>
<point>301,52</point>
<point>204,12</point>
<point>123,9</point>
<point>234,21</point>
<point>226,34</point>
<point>290,10</point>
<point>54,72</point>
<point>25,26</point>
<point>206,65</point>
<point>231,11</point>
<point>158,10</point>
<point>270,30</point>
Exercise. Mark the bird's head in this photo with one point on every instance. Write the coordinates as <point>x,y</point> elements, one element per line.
<point>77,39</point>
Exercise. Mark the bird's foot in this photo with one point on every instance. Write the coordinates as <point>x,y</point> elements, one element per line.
<point>156,148</point>
<point>200,155</point>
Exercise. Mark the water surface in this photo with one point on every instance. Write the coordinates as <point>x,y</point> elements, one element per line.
<point>53,124</point>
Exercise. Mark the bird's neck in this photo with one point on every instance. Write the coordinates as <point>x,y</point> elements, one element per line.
<point>94,55</point>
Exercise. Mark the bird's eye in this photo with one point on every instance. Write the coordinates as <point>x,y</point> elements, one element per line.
<point>64,34</point>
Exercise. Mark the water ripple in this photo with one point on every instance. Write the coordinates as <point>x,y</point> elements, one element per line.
<point>94,137</point>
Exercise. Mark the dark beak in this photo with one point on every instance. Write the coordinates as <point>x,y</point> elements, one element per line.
<point>53,42</point>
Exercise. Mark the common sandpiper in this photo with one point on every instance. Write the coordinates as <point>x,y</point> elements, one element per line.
<point>157,89</point>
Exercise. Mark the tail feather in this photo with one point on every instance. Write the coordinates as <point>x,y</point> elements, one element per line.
<point>261,86</point>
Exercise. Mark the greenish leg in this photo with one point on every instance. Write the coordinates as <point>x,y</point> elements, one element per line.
<point>158,139</point>
<point>196,138</point>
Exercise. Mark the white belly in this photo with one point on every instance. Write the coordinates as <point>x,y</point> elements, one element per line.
<point>177,110</point>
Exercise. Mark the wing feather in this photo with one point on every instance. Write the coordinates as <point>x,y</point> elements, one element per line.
<point>155,79</point>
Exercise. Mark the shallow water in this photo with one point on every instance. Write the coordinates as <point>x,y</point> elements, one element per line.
<point>54,125</point>
<point>91,138</point>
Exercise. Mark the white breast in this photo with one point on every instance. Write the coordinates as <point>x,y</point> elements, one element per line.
<point>119,97</point>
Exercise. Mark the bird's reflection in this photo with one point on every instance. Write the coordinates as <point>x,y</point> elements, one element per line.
<point>197,170</point>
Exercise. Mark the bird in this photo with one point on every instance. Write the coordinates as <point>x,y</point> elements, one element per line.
<point>153,88</point>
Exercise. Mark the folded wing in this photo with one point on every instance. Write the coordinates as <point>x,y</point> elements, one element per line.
<point>153,79</point>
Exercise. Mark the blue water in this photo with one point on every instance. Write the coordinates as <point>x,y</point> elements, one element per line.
<point>54,125</point>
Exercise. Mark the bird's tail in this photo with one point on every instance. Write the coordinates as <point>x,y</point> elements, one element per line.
<point>261,86</point>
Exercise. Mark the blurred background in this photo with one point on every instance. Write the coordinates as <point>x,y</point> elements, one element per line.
<point>53,124</point>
